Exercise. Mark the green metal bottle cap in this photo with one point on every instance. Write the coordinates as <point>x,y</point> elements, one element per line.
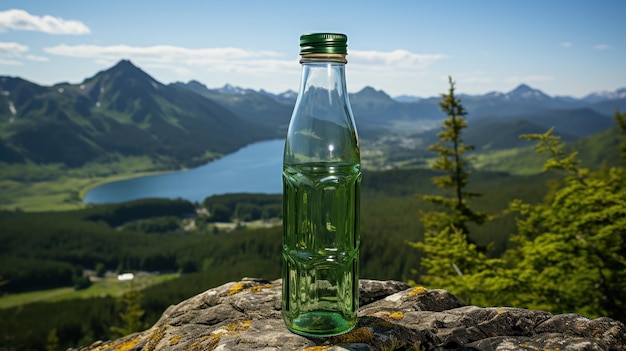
<point>323,43</point>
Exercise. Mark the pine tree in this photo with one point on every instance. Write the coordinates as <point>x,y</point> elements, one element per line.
<point>52,342</point>
<point>451,149</point>
<point>620,120</point>
<point>571,249</point>
<point>131,314</point>
<point>451,259</point>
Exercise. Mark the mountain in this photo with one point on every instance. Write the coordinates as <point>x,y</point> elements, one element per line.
<point>288,96</point>
<point>407,98</point>
<point>251,106</point>
<point>525,93</point>
<point>123,111</point>
<point>119,111</point>
<point>605,95</point>
<point>495,133</point>
<point>520,100</point>
<point>375,112</point>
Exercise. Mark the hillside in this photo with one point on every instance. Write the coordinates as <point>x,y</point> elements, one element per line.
<point>121,111</point>
<point>596,151</point>
<point>252,107</point>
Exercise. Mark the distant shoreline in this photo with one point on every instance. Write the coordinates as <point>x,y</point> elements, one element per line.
<point>84,191</point>
<point>66,189</point>
<point>121,177</point>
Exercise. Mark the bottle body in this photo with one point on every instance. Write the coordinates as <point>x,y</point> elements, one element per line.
<point>321,202</point>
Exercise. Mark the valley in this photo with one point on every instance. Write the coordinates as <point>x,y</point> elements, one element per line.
<point>58,142</point>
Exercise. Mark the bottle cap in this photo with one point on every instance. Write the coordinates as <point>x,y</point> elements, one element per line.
<point>323,43</point>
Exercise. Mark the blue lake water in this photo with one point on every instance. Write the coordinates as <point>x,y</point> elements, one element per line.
<point>256,168</point>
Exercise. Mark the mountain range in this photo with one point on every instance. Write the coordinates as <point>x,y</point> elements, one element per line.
<point>122,111</point>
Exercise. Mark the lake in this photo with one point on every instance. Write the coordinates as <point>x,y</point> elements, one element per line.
<point>256,168</point>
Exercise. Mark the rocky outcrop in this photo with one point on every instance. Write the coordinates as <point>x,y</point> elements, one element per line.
<point>246,315</point>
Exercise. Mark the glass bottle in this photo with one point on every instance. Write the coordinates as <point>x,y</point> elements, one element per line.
<point>321,196</point>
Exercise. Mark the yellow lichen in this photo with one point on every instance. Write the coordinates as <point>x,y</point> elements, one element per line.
<point>239,326</point>
<point>155,337</point>
<point>396,315</point>
<point>128,344</point>
<point>235,289</point>
<point>214,340</point>
<point>418,290</point>
<point>357,335</point>
<point>258,288</point>
<point>315,348</point>
<point>174,340</point>
<point>197,346</point>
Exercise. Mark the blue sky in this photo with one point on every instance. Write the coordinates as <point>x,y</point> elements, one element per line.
<point>562,47</point>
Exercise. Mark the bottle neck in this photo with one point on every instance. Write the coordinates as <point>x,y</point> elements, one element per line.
<point>322,127</point>
<point>324,72</point>
<point>320,58</point>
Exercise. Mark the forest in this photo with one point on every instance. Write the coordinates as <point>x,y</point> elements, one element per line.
<point>553,241</point>
<point>47,250</point>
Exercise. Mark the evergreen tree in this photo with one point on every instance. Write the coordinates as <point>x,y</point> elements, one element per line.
<point>451,259</point>
<point>131,314</point>
<point>571,249</point>
<point>450,149</point>
<point>52,342</point>
<point>620,120</point>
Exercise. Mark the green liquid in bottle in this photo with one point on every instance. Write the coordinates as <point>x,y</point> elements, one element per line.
<point>320,247</point>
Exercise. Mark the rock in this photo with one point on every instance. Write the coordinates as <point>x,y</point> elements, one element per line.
<point>246,315</point>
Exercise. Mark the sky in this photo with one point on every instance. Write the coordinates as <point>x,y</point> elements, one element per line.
<point>562,47</point>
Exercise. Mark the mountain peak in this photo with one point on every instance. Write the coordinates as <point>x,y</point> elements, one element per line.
<point>122,73</point>
<point>125,66</point>
<point>194,84</point>
<point>231,89</point>
<point>524,91</point>
<point>370,92</point>
<point>606,95</point>
<point>522,88</point>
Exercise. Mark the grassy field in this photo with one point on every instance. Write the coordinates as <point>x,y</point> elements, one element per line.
<point>55,188</point>
<point>108,286</point>
<point>518,161</point>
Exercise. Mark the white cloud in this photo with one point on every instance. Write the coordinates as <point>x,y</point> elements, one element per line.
<point>16,19</point>
<point>236,60</point>
<point>529,79</point>
<point>384,60</point>
<point>180,59</point>
<point>14,53</point>
<point>10,53</point>
<point>36,58</point>
<point>602,47</point>
<point>4,62</point>
<point>566,44</point>
<point>159,53</point>
<point>11,49</point>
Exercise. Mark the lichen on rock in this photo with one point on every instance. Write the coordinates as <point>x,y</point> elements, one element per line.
<point>246,315</point>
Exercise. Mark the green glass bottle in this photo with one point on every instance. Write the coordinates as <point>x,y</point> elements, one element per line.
<point>321,201</point>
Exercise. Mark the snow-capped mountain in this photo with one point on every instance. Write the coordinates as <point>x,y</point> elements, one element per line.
<point>526,93</point>
<point>605,95</point>
<point>232,90</point>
